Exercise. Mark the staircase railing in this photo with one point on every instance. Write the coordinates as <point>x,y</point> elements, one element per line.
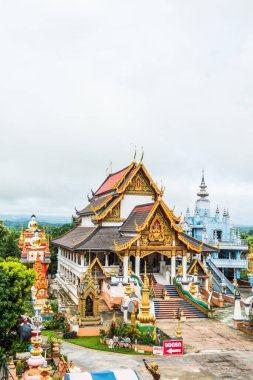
<point>140,283</point>
<point>200,305</point>
<point>221,276</point>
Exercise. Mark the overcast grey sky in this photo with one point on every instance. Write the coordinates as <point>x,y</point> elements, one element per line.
<point>82,82</point>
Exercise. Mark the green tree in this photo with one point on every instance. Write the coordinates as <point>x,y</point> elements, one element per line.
<point>9,242</point>
<point>15,288</point>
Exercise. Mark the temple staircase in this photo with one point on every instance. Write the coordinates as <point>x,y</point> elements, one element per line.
<point>166,308</point>
<point>218,278</point>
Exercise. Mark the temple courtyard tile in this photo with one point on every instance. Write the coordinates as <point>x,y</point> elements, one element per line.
<point>208,334</point>
<point>213,351</point>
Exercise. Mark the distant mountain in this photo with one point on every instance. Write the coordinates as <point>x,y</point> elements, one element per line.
<point>18,221</point>
<point>244,228</point>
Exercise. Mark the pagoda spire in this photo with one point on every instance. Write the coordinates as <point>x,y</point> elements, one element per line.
<point>203,193</point>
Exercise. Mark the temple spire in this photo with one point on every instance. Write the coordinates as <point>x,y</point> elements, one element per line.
<point>202,193</point>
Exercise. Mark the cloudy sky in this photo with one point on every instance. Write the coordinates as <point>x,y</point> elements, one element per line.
<point>82,82</point>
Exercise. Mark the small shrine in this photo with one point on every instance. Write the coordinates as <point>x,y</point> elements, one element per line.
<point>36,253</point>
<point>34,243</point>
<point>144,317</point>
<point>88,305</point>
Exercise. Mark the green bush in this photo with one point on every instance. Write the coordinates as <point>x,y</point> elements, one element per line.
<point>58,321</point>
<point>244,274</point>
<point>102,334</point>
<point>70,335</point>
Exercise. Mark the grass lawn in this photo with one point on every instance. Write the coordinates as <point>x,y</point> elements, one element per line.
<point>55,334</point>
<point>93,342</point>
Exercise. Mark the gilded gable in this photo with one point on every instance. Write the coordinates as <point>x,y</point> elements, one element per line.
<point>114,214</point>
<point>159,232</point>
<point>139,184</point>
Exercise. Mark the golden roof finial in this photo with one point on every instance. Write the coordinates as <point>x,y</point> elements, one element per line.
<point>142,155</point>
<point>134,154</point>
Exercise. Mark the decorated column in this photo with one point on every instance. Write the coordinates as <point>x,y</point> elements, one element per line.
<point>237,308</point>
<point>125,266</point>
<point>145,317</point>
<point>184,268</point>
<point>137,263</point>
<point>173,266</point>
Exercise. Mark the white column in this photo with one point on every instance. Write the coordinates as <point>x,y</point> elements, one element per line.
<point>173,268</point>
<point>204,260</point>
<point>125,268</point>
<point>237,309</point>
<point>106,260</point>
<point>82,260</point>
<point>58,261</point>
<point>137,265</point>
<point>184,265</point>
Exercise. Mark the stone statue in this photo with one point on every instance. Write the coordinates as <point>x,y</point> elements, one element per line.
<point>153,369</point>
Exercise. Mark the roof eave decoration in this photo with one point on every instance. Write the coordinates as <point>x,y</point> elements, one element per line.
<point>127,245</point>
<point>190,246</point>
<point>130,167</point>
<point>101,205</point>
<point>109,209</point>
<point>151,182</point>
<point>195,263</point>
<point>150,215</point>
<point>98,262</point>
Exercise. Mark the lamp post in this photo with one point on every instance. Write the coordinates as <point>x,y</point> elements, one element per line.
<point>178,315</point>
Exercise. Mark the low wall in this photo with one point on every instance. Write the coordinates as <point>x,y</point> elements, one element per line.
<point>111,302</point>
<point>241,326</point>
<point>91,330</point>
<point>215,298</point>
<point>244,283</point>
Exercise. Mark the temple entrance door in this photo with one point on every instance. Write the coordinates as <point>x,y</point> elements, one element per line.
<point>159,265</point>
<point>132,261</point>
<point>89,307</point>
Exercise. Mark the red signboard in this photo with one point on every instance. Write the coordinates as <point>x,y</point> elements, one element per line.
<point>173,347</point>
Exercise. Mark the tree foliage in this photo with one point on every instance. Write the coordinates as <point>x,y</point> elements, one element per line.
<point>15,287</point>
<point>9,242</point>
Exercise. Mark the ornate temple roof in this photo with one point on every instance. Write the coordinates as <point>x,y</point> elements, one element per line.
<point>197,243</point>
<point>138,215</point>
<point>112,180</point>
<point>72,239</point>
<point>134,179</point>
<point>102,239</point>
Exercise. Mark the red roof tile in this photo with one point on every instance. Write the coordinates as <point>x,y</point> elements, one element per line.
<point>111,181</point>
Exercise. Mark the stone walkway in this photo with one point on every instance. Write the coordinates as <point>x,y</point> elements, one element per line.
<point>213,350</point>
<point>202,366</point>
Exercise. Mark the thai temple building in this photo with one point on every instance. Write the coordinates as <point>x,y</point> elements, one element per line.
<point>217,230</point>
<point>125,227</point>
<point>36,253</point>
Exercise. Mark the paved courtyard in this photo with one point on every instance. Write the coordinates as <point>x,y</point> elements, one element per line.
<point>213,351</point>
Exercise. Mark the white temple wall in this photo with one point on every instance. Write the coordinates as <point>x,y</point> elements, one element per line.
<point>86,221</point>
<point>130,201</point>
